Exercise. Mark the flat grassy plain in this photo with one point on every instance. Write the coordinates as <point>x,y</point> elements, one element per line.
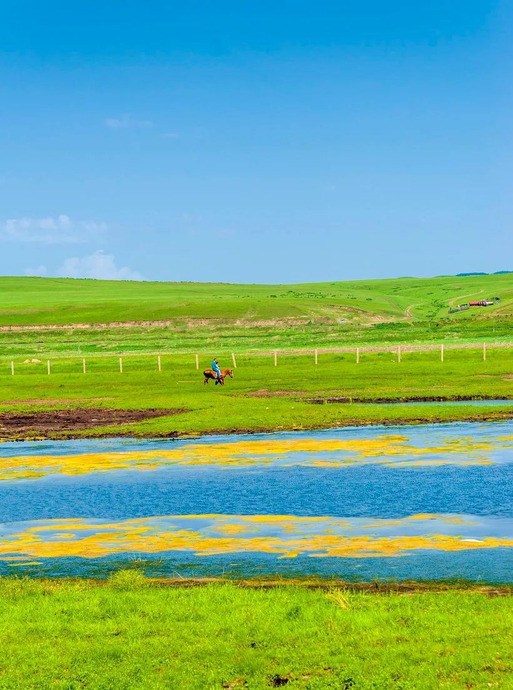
<point>262,397</point>
<point>129,633</point>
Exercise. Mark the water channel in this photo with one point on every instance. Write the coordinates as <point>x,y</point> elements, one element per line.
<point>371,503</point>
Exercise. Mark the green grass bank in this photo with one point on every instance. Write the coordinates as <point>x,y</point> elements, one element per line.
<point>128,633</point>
<point>261,396</point>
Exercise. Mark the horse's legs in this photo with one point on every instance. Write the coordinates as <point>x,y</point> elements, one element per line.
<point>206,380</point>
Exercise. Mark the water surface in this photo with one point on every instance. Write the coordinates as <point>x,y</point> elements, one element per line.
<point>425,502</point>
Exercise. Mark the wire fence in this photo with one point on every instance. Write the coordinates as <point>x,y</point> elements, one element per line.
<point>159,362</point>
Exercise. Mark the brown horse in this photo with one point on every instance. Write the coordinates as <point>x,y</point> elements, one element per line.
<point>210,374</point>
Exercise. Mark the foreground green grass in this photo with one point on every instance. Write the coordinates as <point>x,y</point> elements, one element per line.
<point>262,397</point>
<point>129,634</point>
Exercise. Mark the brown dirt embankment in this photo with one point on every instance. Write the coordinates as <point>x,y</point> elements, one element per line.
<point>17,424</point>
<point>407,587</point>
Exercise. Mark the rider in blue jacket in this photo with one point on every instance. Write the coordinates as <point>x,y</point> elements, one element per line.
<point>215,368</point>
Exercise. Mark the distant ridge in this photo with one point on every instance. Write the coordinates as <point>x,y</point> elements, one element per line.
<point>481,273</point>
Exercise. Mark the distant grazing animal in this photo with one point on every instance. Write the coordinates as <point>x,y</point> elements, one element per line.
<point>210,374</point>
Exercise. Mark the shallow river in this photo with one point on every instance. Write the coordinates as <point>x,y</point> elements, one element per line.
<point>422,502</point>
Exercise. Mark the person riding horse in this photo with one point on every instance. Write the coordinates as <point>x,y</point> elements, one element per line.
<point>215,368</point>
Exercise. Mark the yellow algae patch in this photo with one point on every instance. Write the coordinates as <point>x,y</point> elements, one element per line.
<point>242,452</point>
<point>390,450</point>
<point>283,535</point>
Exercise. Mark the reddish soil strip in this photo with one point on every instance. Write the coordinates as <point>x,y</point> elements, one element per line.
<point>265,393</point>
<point>321,400</point>
<point>406,587</point>
<point>166,322</point>
<point>16,423</point>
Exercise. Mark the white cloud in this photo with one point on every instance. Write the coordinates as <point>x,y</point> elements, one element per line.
<point>50,230</point>
<point>126,122</point>
<point>37,271</point>
<point>97,265</point>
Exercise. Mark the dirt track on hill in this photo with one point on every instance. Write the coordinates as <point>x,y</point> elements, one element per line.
<point>293,321</point>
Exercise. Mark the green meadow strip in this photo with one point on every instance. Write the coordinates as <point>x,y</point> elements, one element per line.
<point>132,633</point>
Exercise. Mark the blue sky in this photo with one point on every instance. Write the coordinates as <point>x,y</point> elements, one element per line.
<point>255,142</point>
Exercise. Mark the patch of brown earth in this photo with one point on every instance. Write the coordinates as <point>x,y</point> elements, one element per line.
<point>47,421</point>
<point>266,393</point>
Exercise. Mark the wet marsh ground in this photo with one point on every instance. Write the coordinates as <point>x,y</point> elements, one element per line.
<point>130,633</point>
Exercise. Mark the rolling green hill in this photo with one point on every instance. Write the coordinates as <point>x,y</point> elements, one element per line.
<point>45,367</point>
<point>38,301</point>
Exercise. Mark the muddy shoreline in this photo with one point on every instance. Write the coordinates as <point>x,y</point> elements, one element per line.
<point>27,426</point>
<point>47,423</point>
<point>323,399</point>
<point>406,587</point>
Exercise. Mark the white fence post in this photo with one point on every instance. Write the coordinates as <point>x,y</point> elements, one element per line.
<point>197,361</point>
<point>442,352</point>
<point>234,360</point>
<point>12,368</point>
<point>275,358</point>
<point>316,357</point>
<point>83,366</point>
<point>358,355</point>
<point>48,366</point>
<point>484,351</point>
<point>398,353</point>
<point>120,365</point>
<point>159,363</point>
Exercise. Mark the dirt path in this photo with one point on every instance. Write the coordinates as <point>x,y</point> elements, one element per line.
<point>408,309</point>
<point>293,321</point>
<point>462,297</point>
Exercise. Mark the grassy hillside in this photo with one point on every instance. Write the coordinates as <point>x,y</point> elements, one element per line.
<point>66,301</point>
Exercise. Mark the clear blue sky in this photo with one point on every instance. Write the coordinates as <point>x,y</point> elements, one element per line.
<point>255,142</point>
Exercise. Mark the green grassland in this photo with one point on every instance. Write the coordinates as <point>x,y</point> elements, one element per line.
<point>129,633</point>
<point>64,301</point>
<point>214,319</point>
<point>262,397</point>
<point>250,320</point>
